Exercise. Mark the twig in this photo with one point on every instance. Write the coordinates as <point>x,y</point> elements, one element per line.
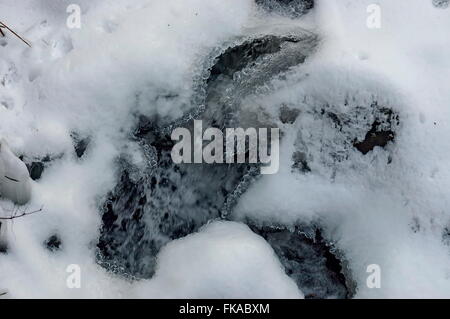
<point>2,25</point>
<point>22,215</point>
<point>12,179</point>
<point>3,293</point>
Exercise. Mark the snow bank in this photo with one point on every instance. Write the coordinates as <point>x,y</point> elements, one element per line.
<point>233,262</point>
<point>388,207</point>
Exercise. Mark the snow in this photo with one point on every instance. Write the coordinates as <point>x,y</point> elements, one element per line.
<point>130,53</point>
<point>15,182</point>
<point>234,263</point>
<point>372,210</point>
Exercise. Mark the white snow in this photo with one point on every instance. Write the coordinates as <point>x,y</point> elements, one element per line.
<point>15,181</point>
<point>371,210</point>
<point>128,52</point>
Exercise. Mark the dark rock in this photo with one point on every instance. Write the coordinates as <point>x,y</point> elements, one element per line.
<point>53,243</point>
<point>235,58</point>
<point>300,162</point>
<point>81,146</point>
<point>170,201</point>
<point>378,136</point>
<point>374,138</point>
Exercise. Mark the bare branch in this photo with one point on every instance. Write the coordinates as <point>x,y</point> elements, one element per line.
<point>14,216</point>
<point>4,26</point>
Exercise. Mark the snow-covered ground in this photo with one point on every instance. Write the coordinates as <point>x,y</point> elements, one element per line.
<point>389,207</point>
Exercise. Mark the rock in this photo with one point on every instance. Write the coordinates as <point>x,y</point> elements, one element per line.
<point>80,144</point>
<point>237,57</point>
<point>36,166</point>
<point>53,243</point>
<point>246,67</point>
<point>291,8</point>
<point>165,201</point>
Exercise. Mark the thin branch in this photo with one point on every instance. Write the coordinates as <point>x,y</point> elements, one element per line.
<point>22,215</point>
<point>4,26</point>
<point>3,293</point>
<point>12,179</point>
